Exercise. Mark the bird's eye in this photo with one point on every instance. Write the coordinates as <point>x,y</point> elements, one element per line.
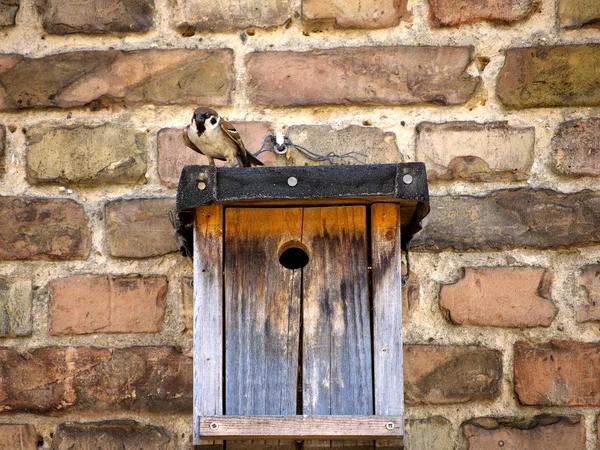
<point>213,120</point>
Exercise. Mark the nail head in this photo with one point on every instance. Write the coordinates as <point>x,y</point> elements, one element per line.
<point>408,179</point>
<point>292,181</point>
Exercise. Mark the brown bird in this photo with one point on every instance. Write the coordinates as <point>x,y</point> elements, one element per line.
<point>211,135</point>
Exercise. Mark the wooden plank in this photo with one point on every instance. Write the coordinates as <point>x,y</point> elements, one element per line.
<point>387,312</point>
<point>337,366</point>
<point>262,304</point>
<point>300,427</point>
<point>208,318</point>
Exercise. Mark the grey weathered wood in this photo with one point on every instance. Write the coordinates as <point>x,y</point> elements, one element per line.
<point>337,367</point>
<point>262,303</point>
<point>387,311</point>
<point>300,427</point>
<point>208,317</point>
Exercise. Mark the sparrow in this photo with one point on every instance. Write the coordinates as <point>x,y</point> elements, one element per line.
<point>211,135</point>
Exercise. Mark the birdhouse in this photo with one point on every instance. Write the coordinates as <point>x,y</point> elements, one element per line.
<point>297,302</point>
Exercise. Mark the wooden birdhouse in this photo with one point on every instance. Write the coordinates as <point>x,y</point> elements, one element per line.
<point>298,308</point>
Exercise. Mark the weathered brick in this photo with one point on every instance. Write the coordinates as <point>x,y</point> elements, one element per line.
<point>376,145</point>
<point>43,228</point>
<point>450,374</point>
<point>18,437</point>
<point>96,16</point>
<point>576,148</point>
<point>452,13</point>
<point>539,433</point>
<point>579,13</point>
<point>15,306</point>
<point>590,281</point>
<point>156,379</point>
<point>499,297</point>
<point>139,228</point>
<point>112,435</point>
<point>364,75</point>
<point>2,150</point>
<point>85,304</point>
<point>101,78</point>
<point>560,373</point>
<point>173,155</point>
<point>432,433</point>
<point>536,77</point>
<point>207,15</point>
<point>86,155</point>
<point>8,12</point>
<point>475,152</point>
<point>354,14</point>
<point>507,219</point>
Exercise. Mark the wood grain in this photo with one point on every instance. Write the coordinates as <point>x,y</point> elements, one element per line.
<point>208,317</point>
<point>262,303</point>
<point>294,427</point>
<point>337,366</point>
<point>387,312</point>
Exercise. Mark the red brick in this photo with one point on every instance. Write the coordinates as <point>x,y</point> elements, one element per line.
<point>139,228</point>
<point>207,15</point>
<point>579,13</point>
<point>354,14</point>
<point>451,374</point>
<point>474,151</point>
<point>111,435</point>
<point>451,13</point>
<point>85,304</point>
<point>155,379</point>
<point>102,78</point>
<point>536,77</point>
<point>95,16</point>
<point>557,373</point>
<point>530,218</point>
<point>39,228</point>
<point>499,297</point>
<point>362,75</point>
<point>173,155</point>
<point>18,437</point>
<point>590,281</point>
<point>8,12</point>
<point>576,148</point>
<point>540,433</point>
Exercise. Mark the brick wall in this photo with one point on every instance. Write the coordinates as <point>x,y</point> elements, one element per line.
<point>500,99</point>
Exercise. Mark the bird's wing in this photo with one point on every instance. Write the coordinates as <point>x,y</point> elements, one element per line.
<point>233,134</point>
<point>188,142</point>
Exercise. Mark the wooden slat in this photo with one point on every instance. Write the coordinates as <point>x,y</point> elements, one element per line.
<point>387,312</point>
<point>208,319</point>
<point>337,367</point>
<point>262,302</point>
<point>300,427</point>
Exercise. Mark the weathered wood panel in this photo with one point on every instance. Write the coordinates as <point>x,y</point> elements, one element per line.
<point>208,317</point>
<point>301,427</point>
<point>387,312</point>
<point>337,366</point>
<point>262,304</point>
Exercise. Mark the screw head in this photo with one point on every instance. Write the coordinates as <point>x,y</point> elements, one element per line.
<point>201,185</point>
<point>390,425</point>
<point>407,179</point>
<point>213,425</point>
<point>292,181</point>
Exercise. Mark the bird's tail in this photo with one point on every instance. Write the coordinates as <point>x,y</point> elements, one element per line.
<point>247,159</point>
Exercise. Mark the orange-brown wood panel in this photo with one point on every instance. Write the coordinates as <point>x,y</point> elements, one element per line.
<point>337,366</point>
<point>262,310</point>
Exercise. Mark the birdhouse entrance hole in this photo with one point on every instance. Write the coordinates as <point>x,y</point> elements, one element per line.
<point>293,255</point>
